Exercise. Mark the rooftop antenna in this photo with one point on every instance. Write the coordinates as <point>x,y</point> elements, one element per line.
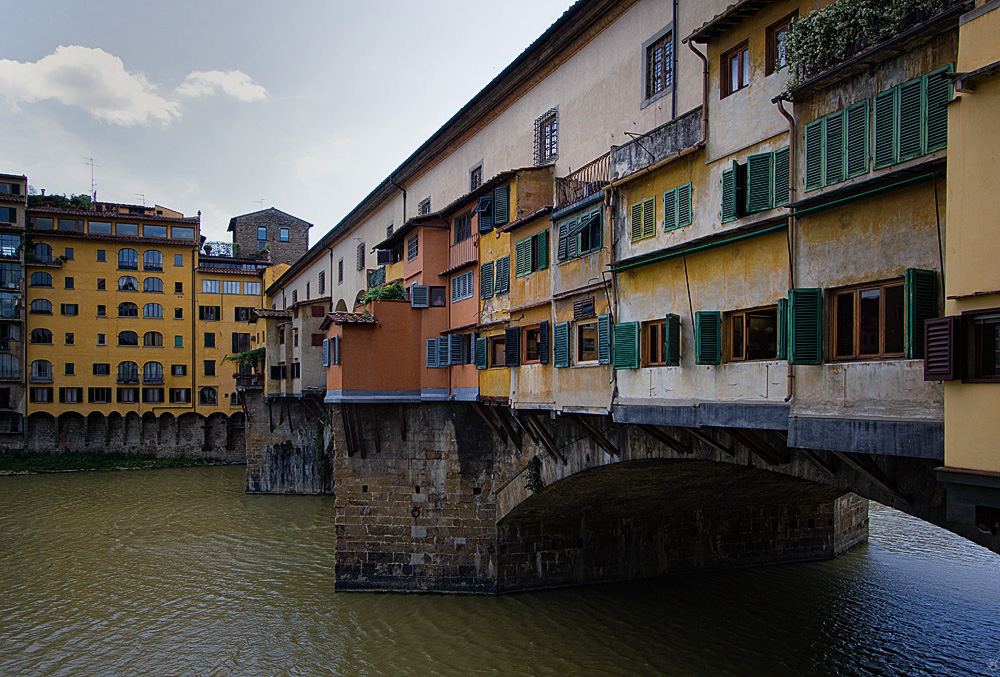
<point>143,197</point>
<point>260,202</point>
<point>93,185</point>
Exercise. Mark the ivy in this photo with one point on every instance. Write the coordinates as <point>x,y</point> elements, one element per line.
<point>254,358</point>
<point>389,292</point>
<point>534,472</point>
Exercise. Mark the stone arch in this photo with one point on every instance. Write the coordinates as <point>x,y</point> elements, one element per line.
<point>115,432</point>
<point>341,306</point>
<point>97,431</point>
<point>150,435</point>
<point>132,443</point>
<point>190,433</point>
<point>72,427</point>
<point>41,435</point>
<point>216,434</point>
<point>166,435</point>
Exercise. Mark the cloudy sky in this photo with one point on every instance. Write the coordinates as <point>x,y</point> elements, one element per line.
<point>213,105</point>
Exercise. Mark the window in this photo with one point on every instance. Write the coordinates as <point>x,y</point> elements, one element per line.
<point>476,177</point>
<point>9,244</point>
<point>101,255</point>
<point>424,207</point>
<point>40,222</point>
<point>580,235</point>
<point>736,75</point>
<point>182,233</point>
<point>532,353</point>
<point>8,215</point>
<point>154,231</point>
<point>320,284</point>
<point>753,334</point>
<point>10,366</point>
<point>210,286</point>
<point>869,321</point>
<point>126,229</point>
<point>42,252</point>
<point>777,57</point>
<point>178,341</point>
<point>643,216</point>
<point>152,372</point>
<point>40,395</point>
<point>178,370</point>
<point>128,338</point>
<point>10,188</point>
<point>463,228</point>
<point>178,259</point>
<point>178,287</point>
<point>70,338</point>
<point>71,225</point>
<point>241,341</point>
<point>99,395</point>
<point>152,395</point>
<point>230,287</point>
<point>361,256</point>
<point>547,137</point>
<point>102,311</point>
<point>295,337</point>
<point>208,396</point>
<point>102,284</point>
<point>128,310</point>
<point>41,279</point>
<point>102,369</point>
<point>178,313</point>
<point>659,66</point>
<point>99,228</point>
<point>412,247</point>
<point>252,288</point>
<point>209,313</point>
<point>10,275</point>
<point>69,283</point>
<point>128,372</point>
<point>128,395</point>
<point>128,259</point>
<point>532,253</point>
<point>283,234</point>
<point>41,371</point>
<point>180,395</point>
<point>340,271</point>
<point>152,339</point>
<point>308,291</point>
<point>153,284</point>
<point>101,340</point>
<point>41,307</point>
<point>69,369</point>
<point>462,286</point>
<point>43,336</point>
<point>655,353</point>
<point>209,367</point>
<point>262,234</point>
<point>242,314</point>
<point>128,283</point>
<point>71,395</point>
<point>209,339</point>
<point>498,355</point>
<point>983,336</point>
<point>437,297</point>
<point>69,254</point>
<point>295,299</point>
<point>586,342</point>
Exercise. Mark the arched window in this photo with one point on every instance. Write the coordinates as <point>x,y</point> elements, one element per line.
<point>152,310</point>
<point>128,338</point>
<point>152,284</point>
<point>41,307</point>
<point>152,339</point>
<point>128,372</point>
<point>152,372</point>
<point>128,259</point>
<point>152,260</point>
<point>208,396</point>
<point>128,283</point>
<point>128,310</point>
<point>41,279</point>
<point>41,371</point>
<point>42,252</point>
<point>10,366</point>
<point>41,336</point>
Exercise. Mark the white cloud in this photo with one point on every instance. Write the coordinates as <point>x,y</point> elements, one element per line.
<point>90,79</point>
<point>234,83</point>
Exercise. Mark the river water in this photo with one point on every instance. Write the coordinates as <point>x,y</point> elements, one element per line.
<point>178,572</point>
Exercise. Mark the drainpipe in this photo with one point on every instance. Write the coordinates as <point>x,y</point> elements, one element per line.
<point>403,191</point>
<point>673,90</point>
<point>780,101</point>
<point>330,249</point>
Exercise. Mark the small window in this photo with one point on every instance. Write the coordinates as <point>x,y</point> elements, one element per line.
<point>102,284</point>
<point>753,334</point>
<point>424,207</point>
<point>654,343</point>
<point>178,313</point>
<point>70,309</point>
<point>102,369</point>
<point>984,340</point>
<point>547,137</point>
<point>463,228</point>
<point>102,340</point>
<point>777,34</point>
<point>70,283</point>
<point>178,287</point>
<point>208,396</point>
<point>438,297</point>
<point>69,369</point>
<point>586,342</point>
<point>178,370</point>
<point>262,233</point>
<point>209,339</point>
<point>736,75</point>
<point>70,338</point>
<point>532,352</point>
<point>283,234</point>
<point>869,321</point>
<point>209,367</point>
<point>320,283</point>
<point>659,66</point>
<point>102,310</point>
<point>178,259</point>
<point>476,177</point>
<point>498,356</point>
<point>102,255</point>
<point>361,256</point>
<point>178,341</point>
<point>412,247</point>
<point>69,254</point>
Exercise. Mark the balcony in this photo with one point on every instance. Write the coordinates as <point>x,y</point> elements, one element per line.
<point>656,145</point>
<point>250,381</point>
<point>584,182</point>
<point>462,253</point>
<point>152,380</point>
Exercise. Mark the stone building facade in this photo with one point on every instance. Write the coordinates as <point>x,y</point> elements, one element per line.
<point>285,236</point>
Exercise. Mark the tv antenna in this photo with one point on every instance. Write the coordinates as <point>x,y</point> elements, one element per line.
<point>142,196</point>
<point>93,185</point>
<point>260,202</point>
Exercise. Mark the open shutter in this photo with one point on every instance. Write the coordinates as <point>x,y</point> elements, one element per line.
<point>572,236</point>
<point>938,95</point>
<point>543,342</point>
<point>522,252</point>
<point>921,305</point>
<point>911,119</point>
<point>856,139</point>
<point>444,353</point>
<point>541,243</point>
<point>728,195</point>
<point>760,181</point>
<point>782,338</point>
<point>420,296</point>
<point>512,347</point>
<point>781,177</point>
<point>326,352</point>
<point>501,205</point>
<point>481,353</point>
<point>431,353</point>
<point>672,340</point>
<point>455,343</point>
<point>486,280</point>
<point>805,326</point>
<point>649,218</point>
<point>560,336</point>
<point>562,247</point>
<point>485,211</point>
<point>502,284</point>
<point>626,349</point>
<point>670,210</point>
<point>885,136</point>
<point>707,337</point>
<point>684,211</point>
<point>604,339</point>
<point>636,217</point>
<point>336,350</point>
<point>833,142</point>
<point>941,337</point>
<point>814,155</point>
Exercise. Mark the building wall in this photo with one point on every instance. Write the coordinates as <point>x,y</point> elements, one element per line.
<point>245,239</point>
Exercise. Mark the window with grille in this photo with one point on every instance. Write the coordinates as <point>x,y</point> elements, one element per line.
<point>659,65</point>
<point>547,137</point>
<point>361,256</point>
<point>424,207</point>
<point>412,247</point>
<point>463,228</point>
<point>476,176</point>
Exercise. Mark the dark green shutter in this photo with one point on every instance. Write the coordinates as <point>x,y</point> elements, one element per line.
<point>543,343</point>
<point>522,251</point>
<point>672,340</point>
<point>814,154</point>
<point>805,324</point>
<point>885,137</point>
<point>626,348</point>
<point>911,119</point>
<point>921,305</point>
<point>856,139</point>
<point>684,209</point>
<point>485,209</point>
<point>636,216</point>
<point>649,217</point>
<point>759,181</point>
<point>670,210</point>
<point>541,244</point>
<point>938,95</point>
<point>501,205</point>
<point>728,195</point>
<point>833,147</point>
<point>502,276</point>
<point>560,340</point>
<point>562,248</point>
<point>781,176</point>
<point>782,329</point>
<point>707,337</point>
<point>604,339</point>
<point>481,348</point>
<point>486,280</point>
<point>512,346</point>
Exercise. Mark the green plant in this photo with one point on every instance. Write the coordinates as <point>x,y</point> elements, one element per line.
<point>389,292</point>
<point>533,471</point>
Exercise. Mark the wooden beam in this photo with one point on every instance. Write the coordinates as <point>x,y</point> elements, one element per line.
<point>378,442</point>
<point>502,413</point>
<point>548,441</point>
<point>526,428</point>
<point>869,469</point>
<point>661,436</point>
<point>819,462</point>
<point>349,447</point>
<point>596,435</point>
<point>483,415</point>
<point>754,445</point>
<point>710,441</point>
<point>402,422</point>
<point>356,416</point>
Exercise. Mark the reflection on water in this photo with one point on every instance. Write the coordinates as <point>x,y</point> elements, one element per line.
<point>177,572</point>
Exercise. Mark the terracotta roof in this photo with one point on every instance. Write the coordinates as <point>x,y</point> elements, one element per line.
<point>502,177</point>
<point>341,317</point>
<point>117,216</point>
<point>528,218</point>
<point>270,312</point>
<point>124,239</point>
<point>729,18</point>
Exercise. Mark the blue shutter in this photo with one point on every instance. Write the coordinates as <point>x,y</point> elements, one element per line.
<point>604,339</point>
<point>672,340</point>
<point>707,337</point>
<point>336,350</point>
<point>543,343</point>
<point>431,354</point>
<point>833,172</point>
<point>443,352</point>
<point>481,349</point>
<point>485,210</point>
<point>782,177</point>
<point>455,343</point>
<point>684,210</point>
<point>420,296</point>
<point>326,352</point>
<point>626,348</point>
<point>814,155</point>
<point>561,344</point>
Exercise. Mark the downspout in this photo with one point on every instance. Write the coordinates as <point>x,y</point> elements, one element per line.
<point>330,249</point>
<point>673,87</point>
<point>780,101</point>
<point>403,191</point>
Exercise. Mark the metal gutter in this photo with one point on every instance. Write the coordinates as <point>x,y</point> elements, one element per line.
<point>709,245</point>
<point>874,191</point>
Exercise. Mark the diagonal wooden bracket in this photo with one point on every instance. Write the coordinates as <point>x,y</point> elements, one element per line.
<point>483,414</point>
<point>660,435</point>
<point>526,428</point>
<point>710,441</point>
<point>402,422</point>
<point>378,442</point>
<point>870,469</point>
<point>502,414</point>
<point>819,462</point>
<point>596,435</point>
<point>547,440</point>
<point>762,449</point>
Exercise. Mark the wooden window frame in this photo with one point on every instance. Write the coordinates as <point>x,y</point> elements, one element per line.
<point>547,137</point>
<point>492,343</point>
<point>833,323</point>
<point>536,328</point>
<point>578,350</point>
<point>730,318</point>
<point>412,246</point>
<point>655,86</point>
<point>649,343</point>
<point>970,354</point>
<point>771,64</point>
<point>727,83</point>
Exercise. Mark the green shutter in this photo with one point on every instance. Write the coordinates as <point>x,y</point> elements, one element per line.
<point>512,346</point>
<point>502,284</point>
<point>938,95</point>
<point>636,215</point>
<point>541,243</point>
<point>728,195</point>
<point>543,343</point>
<point>911,119</point>
<point>814,154</point>
<point>670,210</point>
<point>522,251</point>
<point>885,150</point>
<point>782,329</point>
<point>833,148</point>
<point>759,182</point>
<point>921,305</point>
<point>649,217</point>
<point>707,337</point>
<point>805,324</point>
<point>486,280</point>
<point>604,339</point>
<point>781,176</point>
<point>501,205</point>
<point>481,348</point>
<point>856,139</point>
<point>562,250</point>
<point>560,344</point>
<point>626,348</point>
<point>672,340</point>
<point>684,210</point>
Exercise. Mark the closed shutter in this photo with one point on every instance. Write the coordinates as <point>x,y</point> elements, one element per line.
<point>782,338</point>
<point>336,350</point>
<point>572,236</point>
<point>670,210</point>
<point>481,353</point>
<point>636,218</point>
<point>649,218</point>
<point>485,210</point>
<point>541,243</point>
<point>562,246</point>
<point>604,339</point>
<point>885,139</point>
<point>456,288</point>
<point>911,119</point>
<point>814,155</point>
<point>805,326</point>
<point>941,360</point>
<point>759,182</point>
<point>728,195</point>
<point>833,143</point>
<point>420,296</point>
<point>672,340</point>
<point>326,352</point>
<point>921,305</point>
<point>707,337</point>
<point>444,353</point>
<point>236,342</point>
<point>685,214</point>
<point>543,342</point>
<point>512,347</point>
<point>503,275</point>
<point>431,354</point>
<point>626,348</point>
<point>856,141</point>
<point>938,95</point>
<point>560,341</point>
<point>522,252</point>
<point>501,206</point>
<point>486,280</point>
<point>781,176</point>
<point>455,343</point>
<point>583,308</point>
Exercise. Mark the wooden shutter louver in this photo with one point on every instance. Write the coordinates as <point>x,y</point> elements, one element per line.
<point>856,141</point>
<point>805,326</point>
<point>636,217</point>
<point>833,142</point>
<point>481,349</point>
<point>649,218</point>
<point>560,342</point>
<point>572,241</point>
<point>707,337</point>
<point>885,150</point>
<point>685,214</point>
<point>502,284</point>
<point>541,244</point>
<point>336,350</point>
<point>512,346</point>
<point>911,119</point>
<point>326,352</point>
<point>431,353</point>
<point>782,177</point>
<point>941,339</point>
<point>672,340</point>
<point>814,155</point>
<point>485,210</point>
<point>670,210</point>
<point>486,280</point>
<point>760,181</point>
<point>420,296</point>
<point>455,352</point>
<point>443,352</point>
<point>921,305</point>
<point>562,248</point>
<point>583,308</point>
<point>543,342</point>
<point>626,345</point>
<point>782,338</point>
<point>728,195</point>
<point>522,252</point>
<point>501,205</point>
<point>938,95</point>
<point>604,339</point>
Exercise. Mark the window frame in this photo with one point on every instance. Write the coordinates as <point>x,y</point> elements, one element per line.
<point>494,343</point>
<point>525,331</point>
<point>856,290</point>
<point>741,51</point>
<point>648,342</point>
<point>577,351</point>
<point>728,321</point>
<point>546,135</point>
<point>663,39</point>
<point>771,51</point>
<point>972,347</point>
